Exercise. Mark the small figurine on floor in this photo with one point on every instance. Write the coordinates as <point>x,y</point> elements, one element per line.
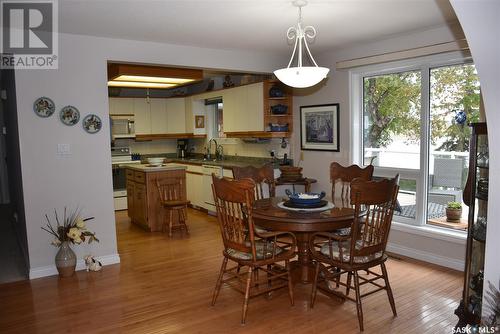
<point>92,264</point>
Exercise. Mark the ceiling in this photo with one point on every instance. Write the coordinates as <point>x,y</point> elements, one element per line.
<point>253,25</point>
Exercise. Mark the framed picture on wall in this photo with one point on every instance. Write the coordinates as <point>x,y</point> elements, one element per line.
<point>319,127</point>
<point>199,121</point>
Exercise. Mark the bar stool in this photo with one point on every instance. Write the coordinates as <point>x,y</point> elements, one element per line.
<point>170,200</point>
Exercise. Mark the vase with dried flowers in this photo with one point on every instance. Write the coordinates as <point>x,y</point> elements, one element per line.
<point>72,230</point>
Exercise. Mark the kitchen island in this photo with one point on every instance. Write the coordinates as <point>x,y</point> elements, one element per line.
<point>143,198</point>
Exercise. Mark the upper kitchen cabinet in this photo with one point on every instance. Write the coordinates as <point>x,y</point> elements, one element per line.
<point>168,116</point>
<point>121,106</point>
<point>244,109</point>
<point>176,115</point>
<point>142,113</point>
<point>159,119</point>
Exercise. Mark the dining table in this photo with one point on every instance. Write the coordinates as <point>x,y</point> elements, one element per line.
<point>270,214</point>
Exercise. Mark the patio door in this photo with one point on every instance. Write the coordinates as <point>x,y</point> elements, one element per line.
<point>414,123</point>
<point>454,102</point>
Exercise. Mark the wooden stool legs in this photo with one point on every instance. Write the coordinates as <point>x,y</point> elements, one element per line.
<point>170,216</point>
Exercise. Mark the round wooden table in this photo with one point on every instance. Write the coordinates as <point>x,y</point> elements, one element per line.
<point>268,215</point>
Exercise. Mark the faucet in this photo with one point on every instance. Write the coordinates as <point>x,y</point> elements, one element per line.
<point>209,154</point>
<point>220,152</point>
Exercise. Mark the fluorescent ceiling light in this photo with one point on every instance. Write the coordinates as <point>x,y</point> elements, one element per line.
<point>301,76</point>
<point>139,84</point>
<point>140,78</point>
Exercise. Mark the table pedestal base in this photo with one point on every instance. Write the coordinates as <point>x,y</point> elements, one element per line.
<point>302,274</point>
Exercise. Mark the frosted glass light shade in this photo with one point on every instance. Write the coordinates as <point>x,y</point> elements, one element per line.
<point>301,77</point>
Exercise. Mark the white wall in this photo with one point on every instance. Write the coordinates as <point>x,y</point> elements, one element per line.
<point>84,178</point>
<point>403,240</point>
<point>481,24</point>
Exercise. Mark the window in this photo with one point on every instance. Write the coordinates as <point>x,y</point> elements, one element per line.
<point>410,122</point>
<point>391,120</point>
<point>214,111</point>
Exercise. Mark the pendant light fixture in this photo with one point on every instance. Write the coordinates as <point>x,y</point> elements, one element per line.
<point>301,76</point>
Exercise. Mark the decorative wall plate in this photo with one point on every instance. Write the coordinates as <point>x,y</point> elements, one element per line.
<point>92,123</point>
<point>69,115</point>
<point>44,107</point>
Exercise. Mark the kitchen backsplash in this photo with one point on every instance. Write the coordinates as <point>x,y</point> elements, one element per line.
<point>232,146</point>
<point>237,147</point>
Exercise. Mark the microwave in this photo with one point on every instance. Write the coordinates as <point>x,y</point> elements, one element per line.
<point>122,126</point>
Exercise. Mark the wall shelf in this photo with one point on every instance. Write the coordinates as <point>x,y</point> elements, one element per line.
<point>281,119</point>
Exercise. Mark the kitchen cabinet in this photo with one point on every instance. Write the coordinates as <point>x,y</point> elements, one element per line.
<point>176,115</point>
<point>130,194</point>
<point>143,196</point>
<point>244,108</point>
<point>228,173</point>
<point>142,116</point>
<point>189,117</point>
<point>194,188</point>
<point>159,120</point>
<point>121,106</point>
<point>140,212</point>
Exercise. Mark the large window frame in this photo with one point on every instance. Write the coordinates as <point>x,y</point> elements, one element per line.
<point>424,66</point>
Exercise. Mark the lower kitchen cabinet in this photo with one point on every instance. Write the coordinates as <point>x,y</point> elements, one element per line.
<point>194,188</point>
<point>143,198</point>
<point>140,212</point>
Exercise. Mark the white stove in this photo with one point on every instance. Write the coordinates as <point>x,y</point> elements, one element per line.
<point>120,158</point>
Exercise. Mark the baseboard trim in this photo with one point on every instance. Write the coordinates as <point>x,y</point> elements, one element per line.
<point>45,271</point>
<point>426,256</point>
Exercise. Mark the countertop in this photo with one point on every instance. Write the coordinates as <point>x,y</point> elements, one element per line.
<point>146,168</point>
<point>223,163</point>
<point>228,162</point>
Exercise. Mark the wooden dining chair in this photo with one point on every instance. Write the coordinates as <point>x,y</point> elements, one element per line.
<point>341,178</point>
<point>364,249</point>
<point>234,203</point>
<point>171,199</point>
<point>265,184</point>
<point>263,178</point>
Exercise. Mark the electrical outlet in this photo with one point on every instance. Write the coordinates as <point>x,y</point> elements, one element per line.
<point>301,155</point>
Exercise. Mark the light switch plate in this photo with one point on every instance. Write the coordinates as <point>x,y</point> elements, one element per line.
<point>63,150</point>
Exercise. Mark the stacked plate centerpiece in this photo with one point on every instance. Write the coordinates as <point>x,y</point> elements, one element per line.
<point>305,200</point>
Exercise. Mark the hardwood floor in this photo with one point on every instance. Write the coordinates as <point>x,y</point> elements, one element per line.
<point>164,285</point>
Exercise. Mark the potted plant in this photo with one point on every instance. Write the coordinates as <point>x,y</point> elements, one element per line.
<point>72,230</point>
<point>453,211</point>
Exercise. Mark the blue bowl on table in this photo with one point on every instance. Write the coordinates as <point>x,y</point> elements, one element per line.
<point>312,198</point>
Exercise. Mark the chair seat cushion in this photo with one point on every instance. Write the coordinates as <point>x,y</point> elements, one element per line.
<point>263,251</point>
<point>325,250</point>
<point>343,231</point>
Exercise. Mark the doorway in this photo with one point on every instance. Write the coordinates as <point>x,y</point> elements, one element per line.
<point>14,259</point>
